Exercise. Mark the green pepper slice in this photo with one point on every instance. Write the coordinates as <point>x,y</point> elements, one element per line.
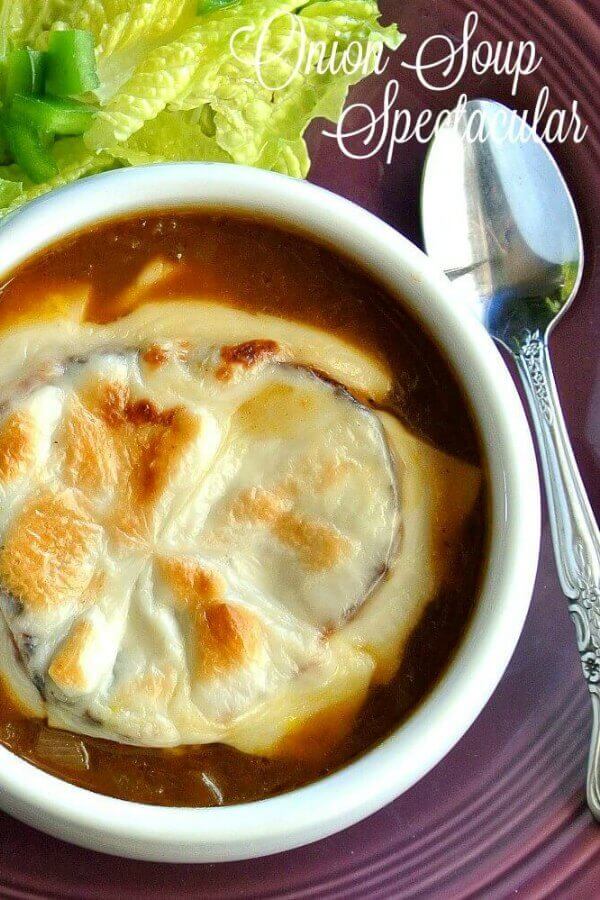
<point>27,151</point>
<point>71,63</point>
<point>55,115</point>
<point>25,72</point>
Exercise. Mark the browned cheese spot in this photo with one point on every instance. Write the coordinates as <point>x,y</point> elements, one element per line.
<point>259,506</point>
<point>157,355</point>
<point>17,446</point>
<point>244,356</point>
<point>49,551</point>
<point>225,635</point>
<point>231,636</point>
<point>317,475</point>
<point>192,585</point>
<point>147,445</point>
<point>107,400</point>
<point>91,460</point>
<point>66,668</point>
<point>318,545</point>
<point>162,450</point>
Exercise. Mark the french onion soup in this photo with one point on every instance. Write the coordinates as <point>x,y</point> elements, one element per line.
<point>242,510</point>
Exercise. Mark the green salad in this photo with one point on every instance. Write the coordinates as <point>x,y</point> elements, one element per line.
<point>88,85</point>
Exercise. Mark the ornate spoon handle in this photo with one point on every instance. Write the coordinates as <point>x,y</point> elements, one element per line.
<point>574,530</point>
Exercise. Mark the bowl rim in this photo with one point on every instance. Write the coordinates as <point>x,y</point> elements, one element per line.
<point>391,767</point>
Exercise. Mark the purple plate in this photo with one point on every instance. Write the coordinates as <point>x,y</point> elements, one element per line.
<point>505,812</point>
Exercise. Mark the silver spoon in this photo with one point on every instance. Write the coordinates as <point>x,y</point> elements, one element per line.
<point>498,218</point>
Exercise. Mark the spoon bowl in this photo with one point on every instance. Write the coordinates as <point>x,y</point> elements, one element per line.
<point>498,217</point>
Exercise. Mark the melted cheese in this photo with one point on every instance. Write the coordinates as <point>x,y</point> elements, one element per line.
<point>206,538</point>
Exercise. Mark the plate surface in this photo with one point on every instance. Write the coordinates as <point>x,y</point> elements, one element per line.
<point>504,813</point>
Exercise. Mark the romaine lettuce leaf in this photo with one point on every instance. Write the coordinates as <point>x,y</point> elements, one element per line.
<point>169,137</point>
<point>174,88</point>
<point>9,191</point>
<point>117,24</point>
<point>255,125</point>
<point>22,21</point>
<point>167,71</point>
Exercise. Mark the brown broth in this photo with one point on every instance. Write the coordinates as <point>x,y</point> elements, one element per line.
<point>254,265</point>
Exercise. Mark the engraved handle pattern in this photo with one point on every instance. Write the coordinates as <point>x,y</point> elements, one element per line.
<point>574,530</point>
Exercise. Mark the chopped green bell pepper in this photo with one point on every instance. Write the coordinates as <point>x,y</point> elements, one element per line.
<point>71,63</point>
<point>25,73</point>
<point>52,114</point>
<point>27,151</point>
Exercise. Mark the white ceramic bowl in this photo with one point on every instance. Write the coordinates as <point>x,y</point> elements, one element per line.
<point>361,788</point>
